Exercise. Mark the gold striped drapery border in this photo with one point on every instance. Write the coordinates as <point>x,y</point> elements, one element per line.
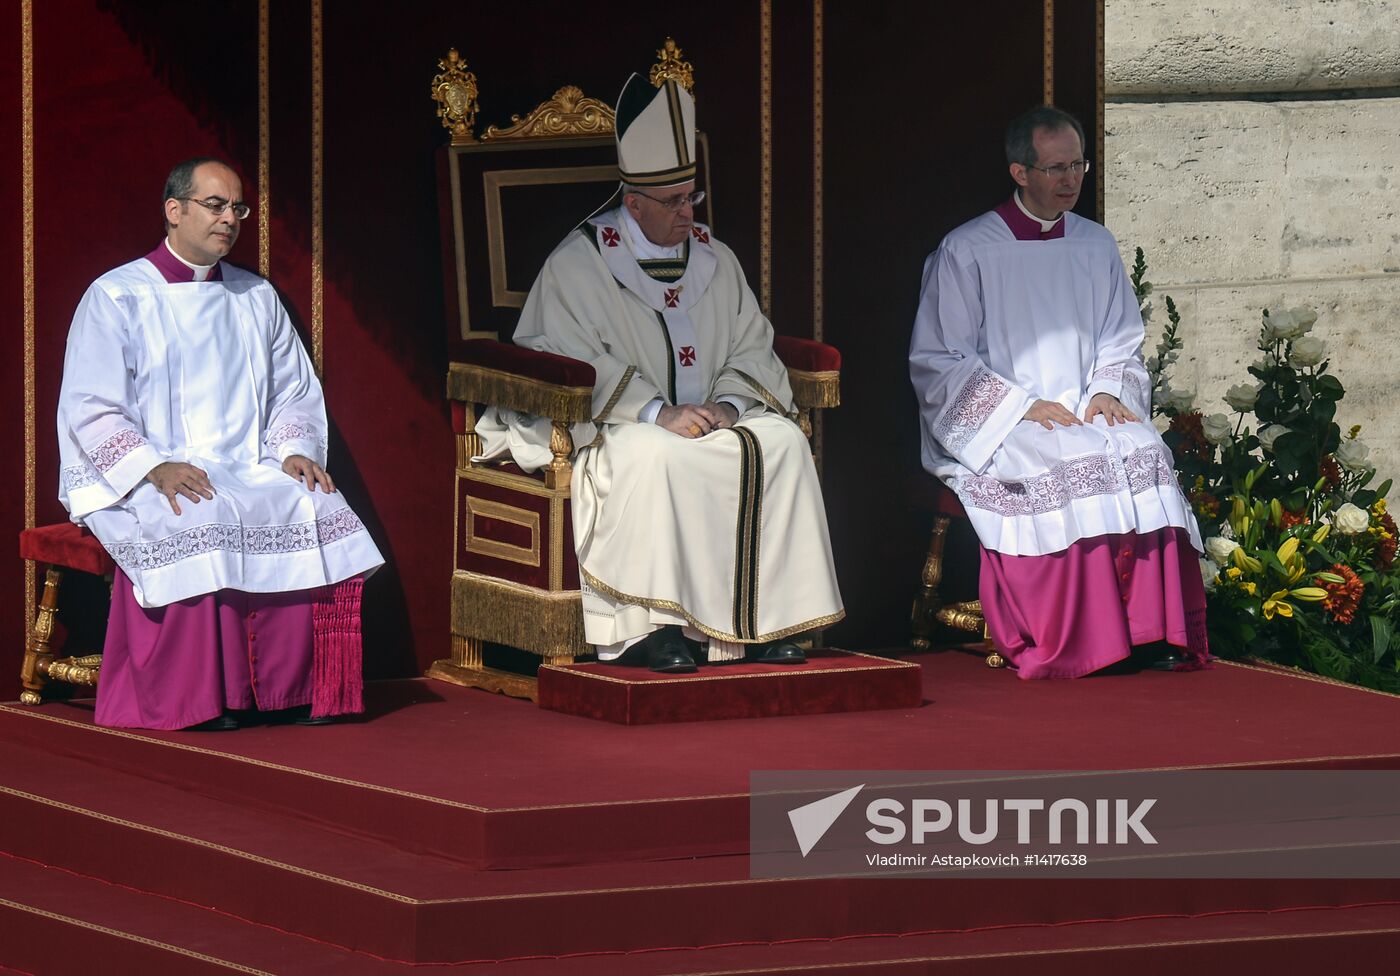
<point>1098,111</point>
<point>264,142</point>
<point>1047,93</point>
<point>318,311</point>
<point>26,16</point>
<point>765,161</point>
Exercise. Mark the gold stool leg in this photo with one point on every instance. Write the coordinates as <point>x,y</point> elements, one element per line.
<point>927,603</point>
<point>37,653</point>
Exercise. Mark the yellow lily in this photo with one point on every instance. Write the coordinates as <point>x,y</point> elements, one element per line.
<point>1277,605</point>
<point>1312,594</point>
<point>1246,562</point>
<point>1322,532</point>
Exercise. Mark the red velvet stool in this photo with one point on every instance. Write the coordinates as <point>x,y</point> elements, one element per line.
<point>60,547</point>
<point>929,494</point>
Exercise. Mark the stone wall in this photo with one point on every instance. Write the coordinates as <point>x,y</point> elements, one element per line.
<point>1253,151</point>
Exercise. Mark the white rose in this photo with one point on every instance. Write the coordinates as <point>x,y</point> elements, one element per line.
<point>1307,351</point>
<point>1305,317</point>
<point>1241,396</point>
<point>1352,455</point>
<point>1269,434</point>
<point>1179,400</point>
<point>1219,549</point>
<point>1208,573</point>
<point>1217,428</point>
<point>1350,520</point>
<point>1282,325</point>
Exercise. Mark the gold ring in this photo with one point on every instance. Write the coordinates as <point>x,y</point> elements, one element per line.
<point>695,429</point>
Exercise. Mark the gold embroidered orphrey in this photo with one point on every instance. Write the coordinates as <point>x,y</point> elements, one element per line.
<point>455,91</point>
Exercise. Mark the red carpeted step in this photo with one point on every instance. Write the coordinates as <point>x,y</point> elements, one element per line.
<point>355,893</point>
<point>60,924</point>
<point>831,681</point>
<point>488,780</point>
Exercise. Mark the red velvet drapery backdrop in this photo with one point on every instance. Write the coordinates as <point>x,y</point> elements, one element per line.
<point>914,96</point>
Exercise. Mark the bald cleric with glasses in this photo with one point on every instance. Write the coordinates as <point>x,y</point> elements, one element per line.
<point>192,438</point>
<point>1027,360</point>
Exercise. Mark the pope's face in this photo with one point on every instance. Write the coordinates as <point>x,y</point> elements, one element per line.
<point>196,233</point>
<point>662,225</point>
<point>1045,195</point>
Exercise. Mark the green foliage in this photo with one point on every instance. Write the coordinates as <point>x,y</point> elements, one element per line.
<point>1303,568</point>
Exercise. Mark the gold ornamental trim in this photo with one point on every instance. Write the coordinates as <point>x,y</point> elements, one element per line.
<point>543,622</point>
<point>672,66</point>
<point>482,384</point>
<point>26,97</point>
<point>815,388</point>
<point>765,157</point>
<point>454,89</point>
<point>529,484</point>
<point>482,508</point>
<point>567,114</point>
<point>264,141</point>
<point>318,208</point>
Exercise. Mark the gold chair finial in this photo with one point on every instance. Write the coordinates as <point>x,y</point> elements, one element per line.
<point>455,91</point>
<point>671,67</point>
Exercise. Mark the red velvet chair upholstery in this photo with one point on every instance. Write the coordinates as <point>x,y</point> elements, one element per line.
<point>507,199</point>
<point>932,495</point>
<point>59,547</point>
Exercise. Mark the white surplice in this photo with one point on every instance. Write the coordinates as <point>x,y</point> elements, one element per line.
<point>1003,322</point>
<point>724,533</point>
<point>211,373</point>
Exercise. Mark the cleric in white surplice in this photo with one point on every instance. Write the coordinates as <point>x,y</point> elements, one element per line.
<point>192,437</point>
<point>1027,360</point>
<point>696,506</point>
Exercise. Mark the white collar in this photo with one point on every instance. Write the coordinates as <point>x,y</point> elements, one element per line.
<point>1045,225</point>
<point>201,271</point>
<point>641,248</point>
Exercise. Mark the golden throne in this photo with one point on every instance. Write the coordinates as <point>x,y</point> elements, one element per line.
<point>506,199</point>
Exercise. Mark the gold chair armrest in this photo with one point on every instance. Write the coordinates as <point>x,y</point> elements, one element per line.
<point>483,384</point>
<point>815,390</point>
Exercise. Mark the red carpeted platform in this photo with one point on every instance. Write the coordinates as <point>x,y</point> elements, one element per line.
<point>461,829</point>
<point>830,681</point>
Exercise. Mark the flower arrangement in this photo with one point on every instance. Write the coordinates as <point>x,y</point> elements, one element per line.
<point>1300,563</point>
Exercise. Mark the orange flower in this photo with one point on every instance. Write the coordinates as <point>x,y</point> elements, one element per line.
<point>1290,519</point>
<point>1343,598</point>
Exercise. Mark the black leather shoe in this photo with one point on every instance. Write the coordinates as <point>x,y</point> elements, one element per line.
<point>1170,661</point>
<point>302,716</point>
<point>670,656</point>
<point>222,723</point>
<point>782,652</point>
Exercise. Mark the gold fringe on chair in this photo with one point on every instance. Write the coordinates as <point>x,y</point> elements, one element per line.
<point>811,390</point>
<point>481,384</point>
<point>539,621</point>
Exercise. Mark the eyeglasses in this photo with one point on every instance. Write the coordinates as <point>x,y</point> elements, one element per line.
<point>1078,168</point>
<point>675,203</point>
<point>217,206</point>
